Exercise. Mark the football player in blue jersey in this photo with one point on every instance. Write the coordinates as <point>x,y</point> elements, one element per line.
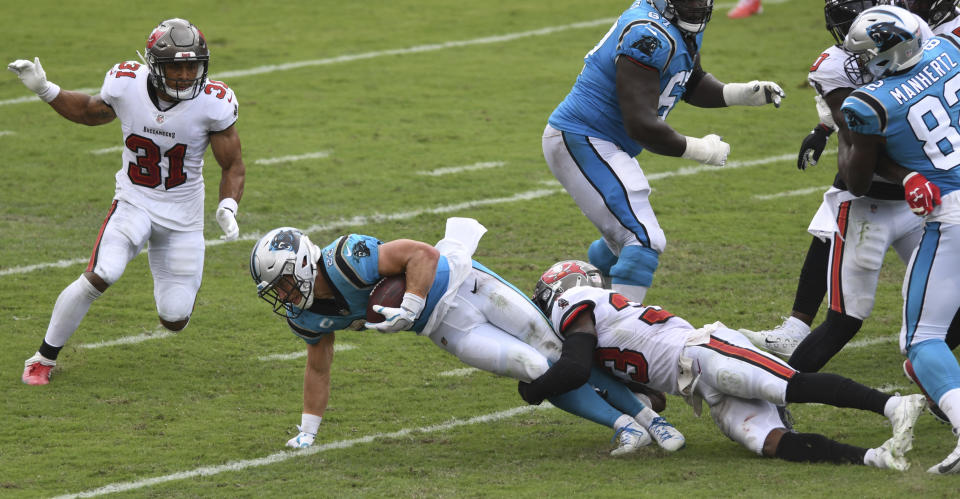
<point>910,114</point>
<point>645,64</point>
<point>463,307</point>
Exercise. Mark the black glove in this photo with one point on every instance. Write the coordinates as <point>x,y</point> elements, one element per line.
<point>812,146</point>
<point>523,388</point>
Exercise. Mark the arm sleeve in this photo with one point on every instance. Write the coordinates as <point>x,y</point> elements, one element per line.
<point>567,373</point>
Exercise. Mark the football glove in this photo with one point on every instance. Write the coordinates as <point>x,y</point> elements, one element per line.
<point>755,93</point>
<point>921,194</point>
<point>227,218</point>
<point>31,74</point>
<point>398,319</point>
<point>711,150</point>
<point>812,146</point>
<point>303,439</point>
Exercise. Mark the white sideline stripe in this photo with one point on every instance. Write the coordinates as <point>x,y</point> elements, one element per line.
<point>457,169</point>
<point>798,192</point>
<point>129,340</point>
<point>6,132</point>
<point>107,150</point>
<point>460,372</point>
<point>378,217</point>
<point>288,159</point>
<point>337,347</point>
<point>287,455</point>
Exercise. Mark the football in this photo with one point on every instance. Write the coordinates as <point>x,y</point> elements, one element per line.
<point>387,292</point>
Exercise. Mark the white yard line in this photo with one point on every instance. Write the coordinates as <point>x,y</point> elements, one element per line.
<point>290,159</point>
<point>106,150</point>
<point>156,334</point>
<point>278,457</point>
<point>457,169</point>
<point>6,132</point>
<point>337,347</point>
<point>798,192</point>
<point>460,372</point>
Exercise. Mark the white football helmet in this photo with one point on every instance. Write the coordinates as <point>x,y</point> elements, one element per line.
<point>562,276</point>
<point>886,39</point>
<point>285,251</point>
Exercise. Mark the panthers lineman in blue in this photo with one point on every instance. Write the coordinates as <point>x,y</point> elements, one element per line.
<point>647,62</point>
<point>912,114</point>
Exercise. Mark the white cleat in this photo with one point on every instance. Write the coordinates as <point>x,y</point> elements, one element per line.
<point>948,466</point>
<point>904,418</point>
<point>630,438</point>
<point>885,458</point>
<point>781,340</point>
<point>665,435</point>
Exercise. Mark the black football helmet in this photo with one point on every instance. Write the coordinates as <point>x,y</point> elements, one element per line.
<point>176,40</point>
<point>934,12</point>
<point>690,16</point>
<point>840,13</point>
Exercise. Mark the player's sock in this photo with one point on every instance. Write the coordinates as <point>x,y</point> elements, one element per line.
<point>938,371</point>
<point>835,390</point>
<point>811,447</point>
<point>71,307</point>
<point>615,392</point>
<point>633,293</point>
<point>812,285</point>
<point>586,403</point>
<point>824,342</point>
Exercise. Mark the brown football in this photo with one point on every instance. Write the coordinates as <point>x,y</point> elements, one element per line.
<point>387,292</point>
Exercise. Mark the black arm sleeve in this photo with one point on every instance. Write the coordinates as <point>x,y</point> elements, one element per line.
<point>571,371</point>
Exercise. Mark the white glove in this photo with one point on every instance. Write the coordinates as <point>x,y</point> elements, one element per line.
<point>227,218</point>
<point>302,440</point>
<point>826,115</point>
<point>755,93</point>
<point>711,150</point>
<point>398,319</point>
<point>34,78</point>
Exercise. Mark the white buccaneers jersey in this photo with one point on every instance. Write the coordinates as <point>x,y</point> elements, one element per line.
<point>634,342</point>
<point>163,150</point>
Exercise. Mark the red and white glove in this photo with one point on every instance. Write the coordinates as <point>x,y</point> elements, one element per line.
<point>921,194</point>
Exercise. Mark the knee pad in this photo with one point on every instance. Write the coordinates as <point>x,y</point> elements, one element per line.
<point>635,266</point>
<point>601,257</point>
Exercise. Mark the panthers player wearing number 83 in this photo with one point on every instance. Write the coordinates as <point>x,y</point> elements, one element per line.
<point>169,112</point>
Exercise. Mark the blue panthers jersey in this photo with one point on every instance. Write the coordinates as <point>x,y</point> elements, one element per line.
<point>917,112</point>
<point>641,33</point>
<point>350,265</point>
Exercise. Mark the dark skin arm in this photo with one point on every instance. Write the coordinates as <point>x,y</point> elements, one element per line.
<point>638,91</point>
<point>79,107</point>
<point>225,145</point>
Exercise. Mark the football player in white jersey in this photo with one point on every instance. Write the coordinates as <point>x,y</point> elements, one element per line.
<point>463,307</point>
<point>646,63</point>
<point>169,112</point>
<point>741,384</point>
<point>851,234</point>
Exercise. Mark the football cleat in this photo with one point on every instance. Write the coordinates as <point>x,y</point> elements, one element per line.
<point>903,419</point>
<point>931,405</point>
<point>885,458</point>
<point>666,436</point>
<point>630,438</point>
<point>781,340</point>
<point>745,8</point>
<point>36,370</point>
<point>950,465</point>
<point>303,439</point>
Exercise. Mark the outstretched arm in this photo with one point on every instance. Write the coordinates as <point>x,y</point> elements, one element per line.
<point>74,106</point>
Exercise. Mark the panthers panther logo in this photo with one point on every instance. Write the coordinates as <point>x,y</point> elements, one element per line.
<point>647,44</point>
<point>285,240</point>
<point>361,250</point>
<point>887,34</point>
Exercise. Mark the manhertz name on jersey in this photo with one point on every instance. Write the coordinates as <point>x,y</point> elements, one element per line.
<point>918,112</point>
<point>642,34</point>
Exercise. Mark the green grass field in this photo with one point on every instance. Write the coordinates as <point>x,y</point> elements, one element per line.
<point>388,90</point>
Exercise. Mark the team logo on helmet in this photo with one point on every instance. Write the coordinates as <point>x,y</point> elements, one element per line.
<point>887,34</point>
<point>285,240</point>
<point>157,33</point>
<point>560,271</point>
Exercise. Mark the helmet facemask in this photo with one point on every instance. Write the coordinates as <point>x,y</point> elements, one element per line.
<point>562,276</point>
<point>283,262</point>
<point>177,41</point>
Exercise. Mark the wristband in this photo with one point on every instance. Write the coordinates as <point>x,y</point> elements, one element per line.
<point>50,92</point>
<point>908,177</point>
<point>310,423</point>
<point>412,303</point>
